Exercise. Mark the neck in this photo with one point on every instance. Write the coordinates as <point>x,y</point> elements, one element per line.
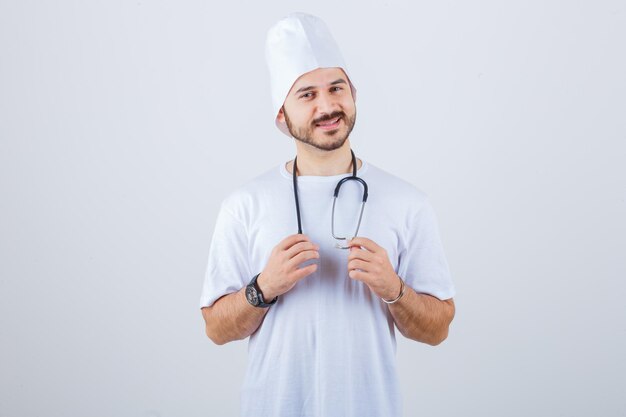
<point>313,161</point>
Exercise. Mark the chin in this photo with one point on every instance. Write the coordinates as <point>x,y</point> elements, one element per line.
<point>333,144</point>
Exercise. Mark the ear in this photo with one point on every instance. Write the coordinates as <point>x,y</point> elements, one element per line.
<point>281,115</point>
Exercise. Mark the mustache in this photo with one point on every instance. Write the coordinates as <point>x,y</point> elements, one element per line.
<point>328,117</point>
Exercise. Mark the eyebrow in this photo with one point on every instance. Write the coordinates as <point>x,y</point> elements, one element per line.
<point>337,81</point>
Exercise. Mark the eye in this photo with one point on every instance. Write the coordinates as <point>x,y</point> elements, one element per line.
<point>336,88</point>
<point>307,95</point>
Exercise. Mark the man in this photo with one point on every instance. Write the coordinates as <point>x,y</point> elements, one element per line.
<point>321,319</point>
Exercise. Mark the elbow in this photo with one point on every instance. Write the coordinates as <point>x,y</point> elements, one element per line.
<point>214,337</point>
<point>430,338</point>
<point>439,335</point>
<point>437,339</point>
<point>210,329</point>
<point>217,337</point>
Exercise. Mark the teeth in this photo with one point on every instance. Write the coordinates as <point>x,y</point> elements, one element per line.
<point>332,122</point>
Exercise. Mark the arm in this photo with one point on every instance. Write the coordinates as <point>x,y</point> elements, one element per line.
<point>419,317</point>
<point>422,317</point>
<point>231,317</point>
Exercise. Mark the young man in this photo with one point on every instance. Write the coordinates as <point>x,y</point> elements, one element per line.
<point>321,318</point>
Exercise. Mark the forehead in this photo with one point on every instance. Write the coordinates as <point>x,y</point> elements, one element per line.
<point>319,77</point>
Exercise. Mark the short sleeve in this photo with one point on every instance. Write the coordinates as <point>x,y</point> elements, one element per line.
<point>228,267</point>
<point>422,262</point>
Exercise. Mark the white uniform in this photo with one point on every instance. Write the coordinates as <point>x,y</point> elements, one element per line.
<point>327,347</point>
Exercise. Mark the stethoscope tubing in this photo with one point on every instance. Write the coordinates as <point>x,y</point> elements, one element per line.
<point>335,195</point>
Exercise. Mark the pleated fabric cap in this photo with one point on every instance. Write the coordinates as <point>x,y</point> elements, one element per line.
<point>295,45</point>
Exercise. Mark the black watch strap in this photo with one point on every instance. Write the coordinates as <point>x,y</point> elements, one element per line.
<point>255,296</point>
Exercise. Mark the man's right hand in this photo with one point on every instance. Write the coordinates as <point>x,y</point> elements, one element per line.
<point>281,272</point>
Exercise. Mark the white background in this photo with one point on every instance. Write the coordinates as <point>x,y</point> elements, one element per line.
<point>123,124</point>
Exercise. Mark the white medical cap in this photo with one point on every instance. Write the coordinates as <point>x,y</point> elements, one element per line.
<point>295,45</point>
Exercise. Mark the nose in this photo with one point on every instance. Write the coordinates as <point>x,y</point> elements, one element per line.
<point>326,103</point>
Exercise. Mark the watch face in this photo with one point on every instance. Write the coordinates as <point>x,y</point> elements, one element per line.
<point>252,296</point>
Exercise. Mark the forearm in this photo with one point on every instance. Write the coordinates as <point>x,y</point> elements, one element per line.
<point>422,317</point>
<point>232,318</point>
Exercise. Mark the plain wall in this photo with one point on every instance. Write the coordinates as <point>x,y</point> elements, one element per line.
<point>123,124</point>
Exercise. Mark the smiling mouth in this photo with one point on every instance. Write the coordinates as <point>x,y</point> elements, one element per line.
<point>329,124</point>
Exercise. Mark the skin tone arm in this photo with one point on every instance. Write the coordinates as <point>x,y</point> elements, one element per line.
<point>419,317</point>
<point>232,318</point>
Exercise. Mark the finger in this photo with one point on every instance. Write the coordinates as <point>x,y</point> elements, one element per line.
<point>302,257</point>
<point>304,271</point>
<point>368,244</point>
<point>291,240</point>
<point>358,275</point>
<point>360,265</point>
<point>357,253</point>
<point>300,247</point>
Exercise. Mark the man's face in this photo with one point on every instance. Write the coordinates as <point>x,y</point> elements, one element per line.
<point>319,109</point>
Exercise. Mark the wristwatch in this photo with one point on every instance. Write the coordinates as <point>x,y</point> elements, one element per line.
<point>255,296</point>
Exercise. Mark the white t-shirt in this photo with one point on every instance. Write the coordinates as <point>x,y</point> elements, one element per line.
<point>327,347</point>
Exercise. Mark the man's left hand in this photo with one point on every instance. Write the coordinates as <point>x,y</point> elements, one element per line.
<point>369,263</point>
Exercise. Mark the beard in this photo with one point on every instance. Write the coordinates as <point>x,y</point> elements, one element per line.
<point>306,134</point>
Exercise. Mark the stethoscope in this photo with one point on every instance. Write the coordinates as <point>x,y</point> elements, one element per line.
<point>335,195</point>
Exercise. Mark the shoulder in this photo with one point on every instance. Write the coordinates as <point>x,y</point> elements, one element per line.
<point>246,197</point>
<point>394,188</point>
